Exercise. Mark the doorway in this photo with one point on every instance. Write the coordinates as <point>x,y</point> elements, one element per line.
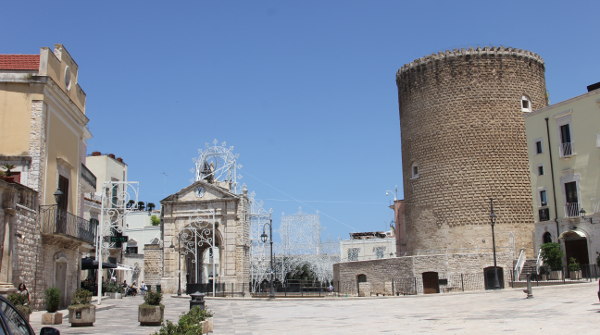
<point>431,282</point>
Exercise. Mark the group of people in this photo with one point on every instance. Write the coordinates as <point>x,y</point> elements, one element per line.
<point>132,289</point>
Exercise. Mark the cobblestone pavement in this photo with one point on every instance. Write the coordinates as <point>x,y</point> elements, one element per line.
<point>572,309</point>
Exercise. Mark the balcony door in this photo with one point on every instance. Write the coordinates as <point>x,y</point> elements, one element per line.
<point>571,199</point>
<point>62,205</point>
<point>565,139</point>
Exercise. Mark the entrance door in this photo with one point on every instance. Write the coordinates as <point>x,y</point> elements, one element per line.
<point>571,197</point>
<point>576,247</point>
<point>60,280</point>
<point>431,282</point>
<point>490,277</point>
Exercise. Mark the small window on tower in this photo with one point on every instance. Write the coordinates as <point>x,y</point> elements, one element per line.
<point>525,104</point>
<point>540,170</point>
<point>538,147</point>
<point>415,171</point>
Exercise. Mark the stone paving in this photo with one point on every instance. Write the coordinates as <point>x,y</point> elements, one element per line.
<point>553,310</point>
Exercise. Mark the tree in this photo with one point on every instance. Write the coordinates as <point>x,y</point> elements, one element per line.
<point>130,204</point>
<point>155,220</point>
<point>150,206</point>
<point>552,255</point>
<point>141,205</point>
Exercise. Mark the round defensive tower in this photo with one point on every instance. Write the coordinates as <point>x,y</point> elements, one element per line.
<point>463,142</point>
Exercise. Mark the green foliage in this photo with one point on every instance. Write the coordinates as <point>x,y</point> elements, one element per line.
<point>153,298</point>
<point>154,220</point>
<point>8,168</point>
<point>52,299</point>
<point>573,264</point>
<point>552,255</point>
<point>82,297</point>
<point>20,302</point>
<point>113,287</point>
<point>189,323</point>
<point>302,272</point>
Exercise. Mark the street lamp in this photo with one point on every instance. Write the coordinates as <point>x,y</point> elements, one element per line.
<point>582,214</point>
<point>58,195</point>
<point>263,238</point>
<point>179,261</point>
<point>496,283</point>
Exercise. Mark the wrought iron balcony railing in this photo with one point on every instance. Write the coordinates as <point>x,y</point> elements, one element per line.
<point>57,221</point>
<point>566,149</point>
<point>572,209</point>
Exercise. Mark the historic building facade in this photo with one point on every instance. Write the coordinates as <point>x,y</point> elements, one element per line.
<point>43,134</point>
<point>563,144</point>
<point>464,149</point>
<point>207,217</point>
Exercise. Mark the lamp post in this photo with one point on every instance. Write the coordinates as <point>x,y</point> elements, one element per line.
<point>496,283</point>
<point>263,238</point>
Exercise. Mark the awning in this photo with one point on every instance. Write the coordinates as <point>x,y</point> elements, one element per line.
<point>89,263</point>
<point>122,268</point>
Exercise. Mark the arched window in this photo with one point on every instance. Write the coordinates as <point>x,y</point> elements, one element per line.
<point>525,104</point>
<point>547,237</point>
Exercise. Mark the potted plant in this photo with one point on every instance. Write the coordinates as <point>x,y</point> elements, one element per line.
<point>114,290</point>
<point>196,321</point>
<point>552,255</point>
<point>574,269</point>
<point>81,310</point>
<point>20,302</point>
<point>151,312</point>
<point>52,317</point>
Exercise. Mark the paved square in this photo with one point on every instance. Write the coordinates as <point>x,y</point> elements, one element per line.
<point>572,309</point>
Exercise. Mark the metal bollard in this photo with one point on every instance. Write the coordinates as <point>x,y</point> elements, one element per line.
<point>197,300</point>
<point>529,288</point>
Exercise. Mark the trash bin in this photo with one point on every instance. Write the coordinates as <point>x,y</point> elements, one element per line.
<point>197,300</point>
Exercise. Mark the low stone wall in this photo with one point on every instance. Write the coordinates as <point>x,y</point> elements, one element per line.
<point>404,275</point>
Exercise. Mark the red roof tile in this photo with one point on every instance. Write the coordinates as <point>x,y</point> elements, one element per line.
<point>19,62</point>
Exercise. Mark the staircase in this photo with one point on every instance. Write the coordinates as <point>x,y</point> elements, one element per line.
<point>529,267</point>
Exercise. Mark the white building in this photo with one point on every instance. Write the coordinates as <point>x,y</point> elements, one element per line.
<point>367,246</point>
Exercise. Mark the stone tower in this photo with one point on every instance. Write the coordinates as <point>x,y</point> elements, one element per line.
<point>463,142</point>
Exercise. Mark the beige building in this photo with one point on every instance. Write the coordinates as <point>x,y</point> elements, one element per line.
<point>564,145</point>
<point>43,134</point>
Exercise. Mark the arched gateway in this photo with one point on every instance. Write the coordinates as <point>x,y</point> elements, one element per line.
<point>206,230</point>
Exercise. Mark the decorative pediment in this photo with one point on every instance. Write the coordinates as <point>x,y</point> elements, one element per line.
<point>201,191</point>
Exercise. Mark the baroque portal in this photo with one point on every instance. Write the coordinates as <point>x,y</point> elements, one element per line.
<point>206,229</point>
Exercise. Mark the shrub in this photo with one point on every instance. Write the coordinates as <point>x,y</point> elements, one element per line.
<point>573,265</point>
<point>20,302</point>
<point>113,287</point>
<point>52,299</point>
<point>552,255</point>
<point>82,297</point>
<point>189,323</point>
<point>153,298</point>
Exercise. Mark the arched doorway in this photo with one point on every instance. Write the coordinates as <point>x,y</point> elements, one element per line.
<point>431,282</point>
<point>576,246</point>
<point>362,278</point>
<point>489,274</point>
<point>200,246</point>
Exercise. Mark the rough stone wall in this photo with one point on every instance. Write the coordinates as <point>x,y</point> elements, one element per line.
<point>152,264</point>
<point>52,251</point>
<point>462,126</point>
<point>406,272</point>
<point>37,145</point>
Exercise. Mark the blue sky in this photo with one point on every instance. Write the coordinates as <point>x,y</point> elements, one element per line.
<point>304,90</point>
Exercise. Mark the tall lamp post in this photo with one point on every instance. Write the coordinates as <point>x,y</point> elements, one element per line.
<point>179,263</point>
<point>496,283</point>
<point>263,238</point>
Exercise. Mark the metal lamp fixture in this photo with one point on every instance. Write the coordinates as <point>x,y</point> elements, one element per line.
<point>58,194</point>
<point>582,214</point>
